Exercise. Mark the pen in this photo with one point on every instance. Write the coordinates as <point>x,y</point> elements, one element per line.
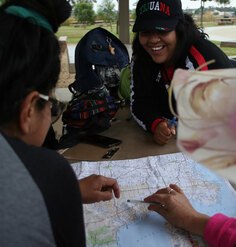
<point>172,123</point>
<point>150,203</point>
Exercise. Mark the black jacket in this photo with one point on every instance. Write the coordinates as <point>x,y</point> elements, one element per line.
<point>58,185</point>
<point>150,81</point>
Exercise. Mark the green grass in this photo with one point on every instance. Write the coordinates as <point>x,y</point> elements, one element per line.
<point>74,34</point>
<point>229,51</point>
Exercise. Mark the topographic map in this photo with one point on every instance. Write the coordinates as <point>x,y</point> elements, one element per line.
<point>119,223</point>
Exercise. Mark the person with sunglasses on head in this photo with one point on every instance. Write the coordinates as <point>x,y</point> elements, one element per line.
<point>41,198</point>
<point>165,39</point>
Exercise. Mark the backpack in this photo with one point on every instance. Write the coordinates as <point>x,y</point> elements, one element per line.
<point>124,85</point>
<point>99,58</point>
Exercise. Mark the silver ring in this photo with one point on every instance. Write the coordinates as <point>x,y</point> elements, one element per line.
<point>169,191</point>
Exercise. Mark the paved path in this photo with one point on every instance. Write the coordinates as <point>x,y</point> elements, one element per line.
<point>221,33</point>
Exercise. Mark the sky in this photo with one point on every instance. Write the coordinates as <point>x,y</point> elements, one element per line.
<point>185,3</point>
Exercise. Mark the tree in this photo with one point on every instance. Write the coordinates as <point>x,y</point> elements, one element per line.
<point>202,6</point>
<point>73,2</point>
<point>107,11</point>
<point>132,13</point>
<point>223,1</point>
<point>84,13</point>
<point>218,1</point>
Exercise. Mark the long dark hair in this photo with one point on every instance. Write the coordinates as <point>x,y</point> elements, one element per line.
<point>29,53</point>
<point>187,33</point>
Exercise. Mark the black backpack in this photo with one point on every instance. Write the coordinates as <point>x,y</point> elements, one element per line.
<point>99,58</point>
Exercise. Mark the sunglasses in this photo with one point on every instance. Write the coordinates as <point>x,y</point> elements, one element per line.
<point>56,106</point>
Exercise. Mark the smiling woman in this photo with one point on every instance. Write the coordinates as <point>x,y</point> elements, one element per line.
<point>160,45</point>
<point>165,39</point>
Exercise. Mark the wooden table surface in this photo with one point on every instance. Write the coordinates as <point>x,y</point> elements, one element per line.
<point>136,142</point>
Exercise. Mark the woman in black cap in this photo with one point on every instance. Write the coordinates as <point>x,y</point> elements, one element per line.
<point>41,198</point>
<point>165,39</point>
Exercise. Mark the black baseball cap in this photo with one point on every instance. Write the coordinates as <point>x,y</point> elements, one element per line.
<point>157,15</point>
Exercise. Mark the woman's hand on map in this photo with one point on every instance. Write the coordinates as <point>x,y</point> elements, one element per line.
<point>163,133</point>
<point>175,207</point>
<point>96,188</point>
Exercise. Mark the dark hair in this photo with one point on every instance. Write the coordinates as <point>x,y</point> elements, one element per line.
<point>29,53</point>
<point>187,33</point>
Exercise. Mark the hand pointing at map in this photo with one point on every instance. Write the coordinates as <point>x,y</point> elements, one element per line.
<point>96,188</point>
<point>177,209</point>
